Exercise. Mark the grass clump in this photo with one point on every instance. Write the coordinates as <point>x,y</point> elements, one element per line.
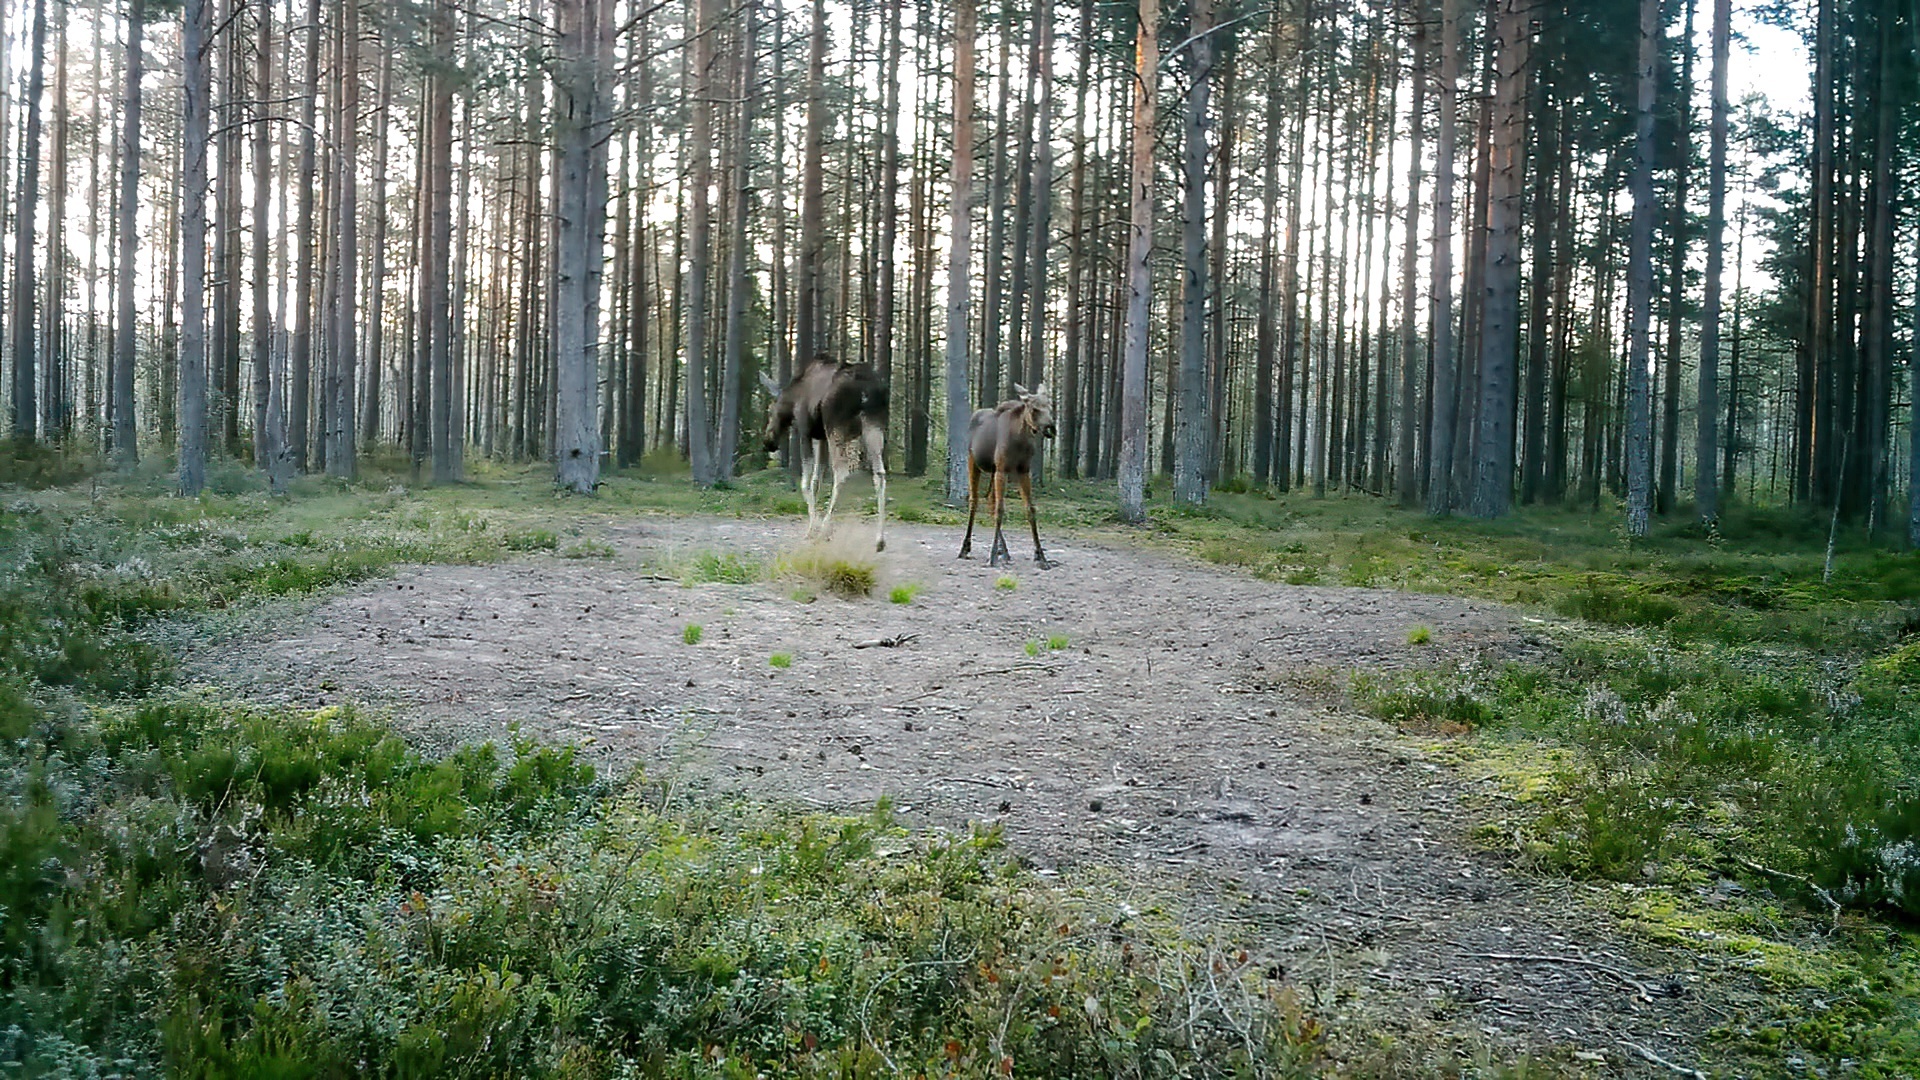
<point>691,633</point>
<point>781,660</point>
<point>1056,642</point>
<point>718,568</point>
<point>1006,583</point>
<point>1420,635</point>
<point>822,569</point>
<point>904,594</point>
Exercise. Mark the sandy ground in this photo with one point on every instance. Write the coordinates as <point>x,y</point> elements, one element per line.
<point>1181,737</point>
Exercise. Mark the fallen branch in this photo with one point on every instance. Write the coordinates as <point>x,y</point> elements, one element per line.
<point>1656,1059</point>
<point>1532,958</point>
<point>1823,894</point>
<point>1048,668</point>
<point>1003,784</point>
<point>893,642</point>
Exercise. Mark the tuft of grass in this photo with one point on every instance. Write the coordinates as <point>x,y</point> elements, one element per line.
<point>1056,642</point>
<point>524,540</point>
<point>1007,583</point>
<point>1420,635</point>
<point>691,633</point>
<point>904,594</point>
<point>822,568</point>
<point>781,660</point>
<point>587,549</point>
<point>717,568</point>
<point>1033,646</point>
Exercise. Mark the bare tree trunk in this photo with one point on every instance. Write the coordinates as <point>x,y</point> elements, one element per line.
<point>1286,455</point>
<point>1640,282</point>
<point>731,374</point>
<point>25,410</point>
<point>1440,480</point>
<point>1706,491</point>
<point>1133,395</point>
<point>580,209</point>
<point>808,339</point>
<point>959,278</point>
<point>1080,344</point>
<point>300,351</point>
<point>269,441</point>
<point>375,355</point>
<point>343,445</point>
<point>1499,334</point>
<point>1412,359</point>
<point>193,214</point>
<point>1269,195</point>
<point>886,303</point>
<point>1190,418</point>
<point>699,149</point>
<point>126,444</point>
<point>1042,198</point>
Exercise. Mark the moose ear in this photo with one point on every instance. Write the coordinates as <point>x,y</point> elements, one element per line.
<point>772,387</point>
<point>1021,392</point>
<point>1041,391</point>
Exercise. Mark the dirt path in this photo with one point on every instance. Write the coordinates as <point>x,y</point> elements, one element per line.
<point>1170,739</point>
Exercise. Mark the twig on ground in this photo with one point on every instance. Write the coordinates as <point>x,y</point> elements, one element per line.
<point>893,642</point>
<point>1048,668</point>
<point>1656,1059</point>
<point>1533,958</point>
<point>973,780</point>
<point>1832,904</point>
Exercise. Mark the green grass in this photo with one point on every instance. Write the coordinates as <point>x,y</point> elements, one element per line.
<point>1056,642</point>
<point>822,569</point>
<point>1420,635</point>
<point>904,594</point>
<point>1006,583</point>
<point>781,660</point>
<point>691,633</point>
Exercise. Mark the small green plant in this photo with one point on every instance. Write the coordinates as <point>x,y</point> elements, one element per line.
<point>715,568</point>
<point>691,635</point>
<point>587,549</point>
<point>1056,642</point>
<point>781,660</point>
<point>1033,646</point>
<point>1007,583</point>
<point>1420,635</point>
<point>904,594</point>
<point>531,540</point>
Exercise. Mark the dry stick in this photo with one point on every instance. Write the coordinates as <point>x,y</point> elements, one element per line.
<point>1656,1059</point>
<point>1808,882</point>
<point>1596,965</point>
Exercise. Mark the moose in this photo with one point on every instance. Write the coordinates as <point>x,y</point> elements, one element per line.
<point>839,408</point>
<point>1001,441</point>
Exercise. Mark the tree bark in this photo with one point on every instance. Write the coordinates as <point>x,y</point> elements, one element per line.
<point>1190,412</point>
<point>1706,491</point>
<point>1499,332</point>
<point>300,350</point>
<point>25,376</point>
<point>808,339</point>
<point>959,278</point>
<point>1440,479</point>
<point>735,340</point>
<point>1640,282</point>
<point>580,190</point>
<point>269,441</point>
<point>192,473</point>
<point>125,438</point>
<point>1133,393</point>
<point>1412,359</point>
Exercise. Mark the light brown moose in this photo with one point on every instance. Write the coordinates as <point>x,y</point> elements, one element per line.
<point>1001,441</point>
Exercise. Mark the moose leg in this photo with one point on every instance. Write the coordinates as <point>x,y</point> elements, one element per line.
<point>973,505</point>
<point>842,455</point>
<point>1000,553</point>
<point>1033,522</point>
<point>809,464</point>
<point>875,436</point>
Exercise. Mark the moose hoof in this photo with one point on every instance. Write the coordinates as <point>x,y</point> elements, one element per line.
<point>880,545</point>
<point>1040,562</point>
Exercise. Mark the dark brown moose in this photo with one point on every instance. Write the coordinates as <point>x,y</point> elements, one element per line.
<point>1001,441</point>
<point>838,408</point>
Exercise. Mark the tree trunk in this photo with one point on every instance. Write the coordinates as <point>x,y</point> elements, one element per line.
<point>735,342</point>
<point>699,151</point>
<point>1190,414</point>
<point>808,339</point>
<point>300,351</point>
<point>959,278</point>
<point>269,442</point>
<point>126,445</point>
<point>1133,394</point>
<point>25,407</point>
<point>1440,480</point>
<point>1264,336</point>
<point>193,238</point>
<point>1042,199</point>
<point>1706,491</point>
<point>1499,332</point>
<point>1640,282</point>
<point>1081,347</point>
<point>375,354</point>
<point>343,444</point>
<point>580,208</point>
<point>1412,359</point>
